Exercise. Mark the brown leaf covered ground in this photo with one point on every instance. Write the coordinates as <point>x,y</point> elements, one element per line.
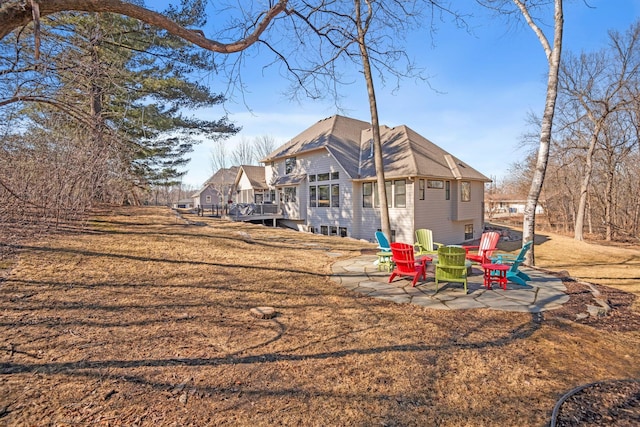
<point>144,319</point>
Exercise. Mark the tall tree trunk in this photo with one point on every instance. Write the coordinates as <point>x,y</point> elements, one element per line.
<point>553,58</point>
<point>608,206</point>
<point>586,182</point>
<point>385,223</point>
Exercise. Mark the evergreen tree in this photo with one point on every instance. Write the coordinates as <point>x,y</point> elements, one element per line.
<point>119,88</point>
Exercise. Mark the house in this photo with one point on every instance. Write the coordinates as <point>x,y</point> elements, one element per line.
<point>183,204</point>
<point>251,185</point>
<point>217,190</point>
<point>508,204</point>
<point>324,181</point>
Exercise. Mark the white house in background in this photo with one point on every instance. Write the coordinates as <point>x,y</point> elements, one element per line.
<point>500,204</point>
<point>324,181</point>
<point>217,190</point>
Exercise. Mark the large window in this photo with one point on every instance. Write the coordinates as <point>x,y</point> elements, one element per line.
<point>396,194</point>
<point>289,165</point>
<point>323,196</point>
<point>290,194</point>
<point>465,191</point>
<point>335,195</point>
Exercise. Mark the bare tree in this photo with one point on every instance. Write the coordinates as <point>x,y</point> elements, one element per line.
<point>218,157</point>
<point>243,153</point>
<point>366,33</point>
<point>263,146</point>
<point>595,88</point>
<point>17,13</point>
<point>552,52</point>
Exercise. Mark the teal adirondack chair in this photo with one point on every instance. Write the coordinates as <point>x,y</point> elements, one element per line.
<point>514,274</point>
<point>383,242</point>
<point>384,260</point>
<point>424,242</point>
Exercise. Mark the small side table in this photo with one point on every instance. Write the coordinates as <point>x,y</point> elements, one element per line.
<point>384,260</point>
<point>495,273</point>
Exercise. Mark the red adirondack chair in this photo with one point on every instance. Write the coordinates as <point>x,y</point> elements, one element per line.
<point>488,243</point>
<point>406,264</point>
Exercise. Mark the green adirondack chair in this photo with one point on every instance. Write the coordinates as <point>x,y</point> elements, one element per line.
<point>424,242</point>
<point>451,266</point>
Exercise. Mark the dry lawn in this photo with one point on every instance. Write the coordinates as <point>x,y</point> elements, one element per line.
<point>615,266</point>
<point>145,320</point>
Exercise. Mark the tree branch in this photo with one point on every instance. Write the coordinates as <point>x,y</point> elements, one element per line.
<point>16,13</point>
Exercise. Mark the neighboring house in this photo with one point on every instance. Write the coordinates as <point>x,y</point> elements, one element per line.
<point>217,190</point>
<point>497,204</point>
<point>251,186</point>
<point>325,182</point>
<point>183,204</point>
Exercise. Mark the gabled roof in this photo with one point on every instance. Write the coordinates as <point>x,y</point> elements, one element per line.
<point>405,153</point>
<point>224,176</point>
<point>337,134</point>
<point>255,175</point>
<point>199,192</point>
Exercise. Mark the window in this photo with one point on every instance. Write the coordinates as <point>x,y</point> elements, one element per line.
<point>289,165</point>
<point>447,190</point>
<point>290,194</point>
<point>312,178</point>
<point>335,175</point>
<point>313,198</point>
<point>342,231</point>
<point>335,195</point>
<point>400,194</point>
<point>333,230</point>
<point>433,183</point>
<point>207,199</point>
<point>367,192</point>
<point>465,191</point>
<point>258,198</point>
<point>421,189</point>
<point>323,196</point>
<point>323,177</point>
<point>468,231</point>
<point>272,195</point>
<point>324,230</point>
<point>397,198</point>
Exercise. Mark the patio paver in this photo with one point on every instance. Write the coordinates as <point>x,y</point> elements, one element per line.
<point>543,292</point>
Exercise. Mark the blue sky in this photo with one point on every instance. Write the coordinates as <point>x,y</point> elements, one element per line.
<point>486,84</point>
